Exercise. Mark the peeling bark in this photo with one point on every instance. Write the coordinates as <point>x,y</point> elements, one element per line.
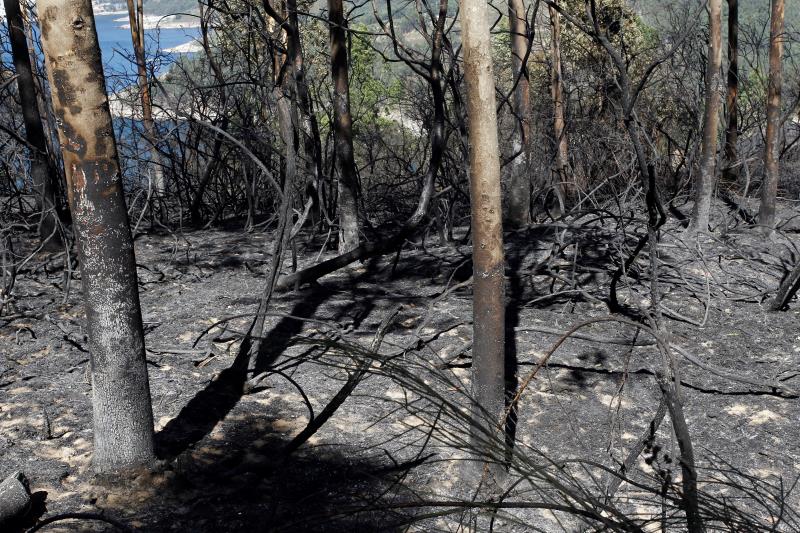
<point>122,413</point>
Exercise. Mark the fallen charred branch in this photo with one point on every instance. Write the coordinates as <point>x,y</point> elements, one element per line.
<point>786,290</point>
<point>362,252</point>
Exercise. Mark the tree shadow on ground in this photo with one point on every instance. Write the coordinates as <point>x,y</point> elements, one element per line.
<point>549,263</point>
<point>513,304</point>
<point>240,482</point>
<point>212,404</point>
<point>240,479</point>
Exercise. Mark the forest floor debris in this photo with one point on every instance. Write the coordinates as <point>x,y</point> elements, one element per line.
<point>222,449</point>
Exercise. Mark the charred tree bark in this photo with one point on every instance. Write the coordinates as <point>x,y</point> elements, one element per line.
<point>312,143</point>
<point>557,94</point>
<point>343,130</point>
<point>136,18</point>
<point>787,289</point>
<point>205,180</point>
<point>519,194</point>
<point>44,175</point>
<point>732,101</point>
<point>488,373</point>
<point>704,186</point>
<point>122,413</point>
<point>434,77</point>
<point>769,189</point>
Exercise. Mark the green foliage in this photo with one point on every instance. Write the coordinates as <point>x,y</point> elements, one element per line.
<point>626,31</point>
<point>373,85</point>
<point>501,54</point>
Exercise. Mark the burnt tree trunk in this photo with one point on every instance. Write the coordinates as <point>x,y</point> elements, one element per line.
<point>122,413</point>
<point>283,89</point>
<point>557,94</point>
<point>195,208</point>
<point>769,189</point>
<point>787,289</point>
<point>704,186</point>
<point>519,194</point>
<point>434,77</point>
<point>15,500</point>
<point>44,175</point>
<point>136,18</point>
<point>731,103</point>
<point>488,374</point>
<point>312,143</point>
<point>343,130</point>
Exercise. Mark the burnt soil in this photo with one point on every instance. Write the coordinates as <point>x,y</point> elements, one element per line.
<point>223,466</point>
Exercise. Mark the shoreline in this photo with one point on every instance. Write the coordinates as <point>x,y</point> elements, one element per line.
<point>162,22</point>
<point>101,12</point>
<point>191,47</point>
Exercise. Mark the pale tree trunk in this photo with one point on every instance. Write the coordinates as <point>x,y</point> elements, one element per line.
<point>704,185</point>
<point>731,103</point>
<point>42,172</point>
<point>136,18</point>
<point>488,373</point>
<point>122,413</point>
<point>557,94</point>
<point>343,130</point>
<point>519,194</point>
<point>769,189</point>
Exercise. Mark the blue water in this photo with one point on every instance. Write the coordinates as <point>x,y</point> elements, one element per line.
<point>117,51</point>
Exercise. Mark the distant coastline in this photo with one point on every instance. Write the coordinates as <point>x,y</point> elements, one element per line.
<point>151,22</point>
<point>191,47</point>
<point>159,22</point>
<point>108,8</point>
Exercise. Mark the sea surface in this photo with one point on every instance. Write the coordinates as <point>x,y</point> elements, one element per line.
<point>117,51</point>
